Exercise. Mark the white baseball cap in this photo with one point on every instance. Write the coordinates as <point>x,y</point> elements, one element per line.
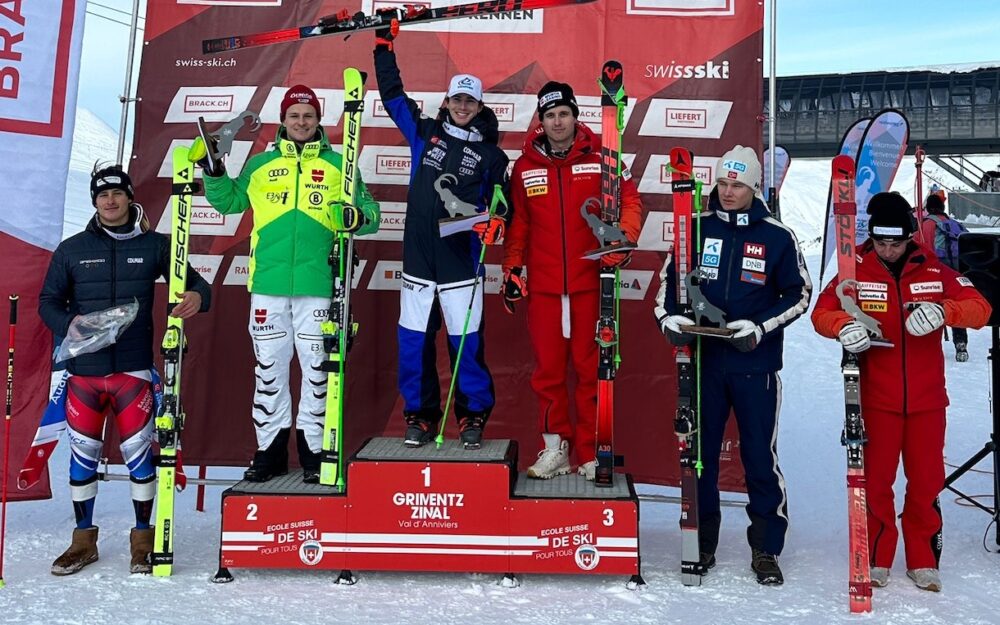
<point>741,165</point>
<point>467,84</point>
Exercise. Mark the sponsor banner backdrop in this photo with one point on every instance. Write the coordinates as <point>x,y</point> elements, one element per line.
<point>684,89</point>
<point>40,46</point>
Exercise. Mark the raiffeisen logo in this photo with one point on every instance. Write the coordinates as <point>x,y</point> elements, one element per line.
<point>708,70</point>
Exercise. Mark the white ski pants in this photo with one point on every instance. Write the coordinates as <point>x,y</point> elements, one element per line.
<point>279,324</point>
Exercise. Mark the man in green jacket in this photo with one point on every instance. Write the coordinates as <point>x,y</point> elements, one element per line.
<point>294,190</point>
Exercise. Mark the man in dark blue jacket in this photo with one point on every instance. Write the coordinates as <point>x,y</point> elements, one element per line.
<point>753,271</point>
<point>456,165</point>
<point>115,260</point>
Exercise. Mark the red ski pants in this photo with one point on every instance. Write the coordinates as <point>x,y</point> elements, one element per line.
<point>552,351</point>
<point>919,437</point>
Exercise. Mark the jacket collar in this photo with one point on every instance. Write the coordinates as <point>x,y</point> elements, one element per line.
<point>309,151</point>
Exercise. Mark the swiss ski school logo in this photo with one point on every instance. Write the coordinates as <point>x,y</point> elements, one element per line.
<point>310,552</point>
<point>260,315</point>
<point>587,557</point>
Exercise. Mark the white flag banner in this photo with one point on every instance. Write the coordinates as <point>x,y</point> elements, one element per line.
<point>39,75</point>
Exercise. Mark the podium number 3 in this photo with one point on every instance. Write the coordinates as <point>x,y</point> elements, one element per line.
<point>609,517</point>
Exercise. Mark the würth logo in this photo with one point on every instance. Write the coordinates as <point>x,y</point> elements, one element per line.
<point>260,315</point>
<point>317,175</point>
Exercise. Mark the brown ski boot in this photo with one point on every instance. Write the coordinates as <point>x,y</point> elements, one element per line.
<point>82,552</point>
<point>142,546</point>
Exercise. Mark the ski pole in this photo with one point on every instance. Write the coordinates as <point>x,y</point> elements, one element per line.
<point>918,155</point>
<point>6,434</point>
<point>498,198</point>
<point>698,466</point>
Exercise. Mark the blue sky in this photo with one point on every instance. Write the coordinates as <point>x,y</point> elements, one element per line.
<point>814,36</point>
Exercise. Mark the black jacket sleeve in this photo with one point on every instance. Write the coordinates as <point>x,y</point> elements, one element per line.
<point>53,301</point>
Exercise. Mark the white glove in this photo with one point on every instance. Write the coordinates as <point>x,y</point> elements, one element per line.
<point>854,337</point>
<point>674,323</point>
<point>671,328</point>
<point>925,318</point>
<point>747,334</point>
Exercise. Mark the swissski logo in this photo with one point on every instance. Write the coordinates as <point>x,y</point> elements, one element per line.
<point>317,175</point>
<point>260,315</point>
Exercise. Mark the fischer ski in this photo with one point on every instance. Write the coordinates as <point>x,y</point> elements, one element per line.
<point>853,436</point>
<point>613,101</point>
<point>346,23</point>
<point>170,420</point>
<point>686,421</point>
<point>339,328</point>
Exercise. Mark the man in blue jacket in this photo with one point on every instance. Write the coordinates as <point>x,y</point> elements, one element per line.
<point>115,260</point>
<point>753,271</point>
<point>456,165</point>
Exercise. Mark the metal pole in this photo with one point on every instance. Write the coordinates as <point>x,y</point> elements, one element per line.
<point>127,99</point>
<point>772,95</point>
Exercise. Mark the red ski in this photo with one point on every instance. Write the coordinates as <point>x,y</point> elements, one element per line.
<point>853,437</point>
<point>345,23</point>
<point>686,420</point>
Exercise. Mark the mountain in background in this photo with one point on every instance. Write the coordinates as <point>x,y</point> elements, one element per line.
<point>93,141</point>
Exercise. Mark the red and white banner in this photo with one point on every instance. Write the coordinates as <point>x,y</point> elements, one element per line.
<point>40,46</point>
<point>692,72</point>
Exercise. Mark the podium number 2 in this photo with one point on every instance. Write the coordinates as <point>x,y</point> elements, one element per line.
<point>427,476</point>
<point>251,512</point>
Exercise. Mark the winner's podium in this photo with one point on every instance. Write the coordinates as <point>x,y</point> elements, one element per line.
<point>429,509</point>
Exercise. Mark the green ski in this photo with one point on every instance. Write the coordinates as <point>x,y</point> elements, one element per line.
<point>339,328</point>
<point>170,420</point>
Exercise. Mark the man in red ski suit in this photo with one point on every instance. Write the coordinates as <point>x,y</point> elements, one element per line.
<point>556,190</point>
<point>912,295</point>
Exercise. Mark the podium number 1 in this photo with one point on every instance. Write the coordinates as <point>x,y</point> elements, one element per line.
<point>427,476</point>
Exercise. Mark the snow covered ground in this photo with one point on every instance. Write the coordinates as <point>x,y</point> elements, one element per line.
<point>815,559</point>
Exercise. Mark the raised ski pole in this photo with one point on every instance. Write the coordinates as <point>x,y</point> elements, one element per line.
<point>6,445</point>
<point>918,156</point>
<point>498,198</point>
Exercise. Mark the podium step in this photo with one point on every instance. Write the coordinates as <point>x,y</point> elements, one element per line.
<point>289,484</point>
<point>572,486</point>
<point>385,448</point>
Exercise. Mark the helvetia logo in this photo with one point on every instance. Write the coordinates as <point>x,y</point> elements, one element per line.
<point>587,557</point>
<point>311,552</point>
<point>709,70</point>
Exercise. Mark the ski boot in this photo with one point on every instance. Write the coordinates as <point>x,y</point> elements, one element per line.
<point>308,459</point>
<point>419,432</point>
<point>471,431</point>
<point>270,462</point>
<point>765,565</point>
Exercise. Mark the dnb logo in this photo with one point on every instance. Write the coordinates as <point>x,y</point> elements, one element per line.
<point>260,315</point>
<point>311,552</point>
<point>587,557</point>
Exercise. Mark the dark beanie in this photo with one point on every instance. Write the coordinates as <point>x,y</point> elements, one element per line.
<point>891,217</point>
<point>934,204</point>
<point>113,177</point>
<point>555,94</point>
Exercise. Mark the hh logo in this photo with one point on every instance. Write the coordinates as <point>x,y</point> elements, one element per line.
<point>260,315</point>
<point>755,250</point>
<point>317,175</point>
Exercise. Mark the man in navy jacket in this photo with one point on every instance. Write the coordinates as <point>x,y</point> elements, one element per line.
<point>754,272</point>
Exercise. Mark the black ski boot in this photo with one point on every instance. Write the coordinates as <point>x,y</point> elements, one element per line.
<point>308,459</point>
<point>270,462</point>
<point>471,430</point>
<point>766,567</point>
<point>419,431</point>
<point>706,561</point>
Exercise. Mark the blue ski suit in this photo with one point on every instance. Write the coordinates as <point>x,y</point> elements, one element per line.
<point>756,272</point>
<point>448,162</point>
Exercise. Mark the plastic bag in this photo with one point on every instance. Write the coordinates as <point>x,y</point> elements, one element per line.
<point>93,331</point>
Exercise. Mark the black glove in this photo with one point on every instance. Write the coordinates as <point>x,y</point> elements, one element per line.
<point>385,36</point>
<point>514,288</point>
<point>201,155</point>
<point>671,329</point>
<point>747,334</point>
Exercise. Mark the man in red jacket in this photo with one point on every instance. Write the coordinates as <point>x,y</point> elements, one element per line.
<point>558,172</point>
<point>912,295</point>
